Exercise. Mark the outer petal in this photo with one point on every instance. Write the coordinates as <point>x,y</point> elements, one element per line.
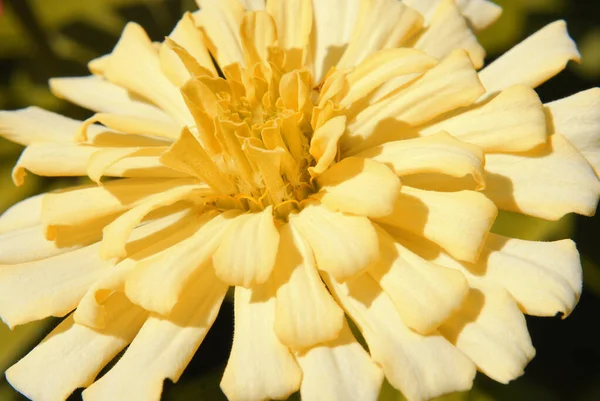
<point>293,19</point>
<point>422,367</point>
<point>359,186</point>
<point>425,294</point>
<point>548,182</point>
<point>99,95</point>
<point>492,332</point>
<point>438,153</point>
<point>449,30</point>
<point>306,314</point>
<point>513,121</point>
<point>340,370</point>
<point>24,214</point>
<point>344,245</point>
<point>72,354</point>
<point>481,13</point>
<point>33,124</point>
<point>577,117</point>
<point>451,84</point>
<point>457,221</point>
<point>533,61</point>
<point>164,346</point>
<point>259,366</point>
<point>247,253</point>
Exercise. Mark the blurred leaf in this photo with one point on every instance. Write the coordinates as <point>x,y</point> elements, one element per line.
<point>520,226</point>
<point>17,342</point>
<point>589,46</point>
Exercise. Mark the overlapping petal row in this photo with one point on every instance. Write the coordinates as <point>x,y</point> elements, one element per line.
<point>348,163</point>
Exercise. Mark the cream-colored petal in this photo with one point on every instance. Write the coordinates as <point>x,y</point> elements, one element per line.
<point>116,233</point>
<point>344,245</point>
<point>135,66</point>
<point>133,125</point>
<point>545,278</point>
<point>334,22</point>
<point>425,294</point>
<point>340,370</point>
<point>24,214</point>
<point>72,355</point>
<point>359,186</point>
<point>293,19</point>
<point>480,13</point>
<point>438,153</point>
<point>254,5</point>
<point>150,239</point>
<point>451,84</point>
<point>305,313</point>
<point>533,61</point>
<point>513,121</point>
<point>422,367</point>
<point>449,30</point>
<point>47,287</point>
<point>99,95</point>
<point>156,283</point>
<point>491,330</point>
<point>164,345</point>
<point>221,21</point>
<point>259,366</point>
<point>247,253</point>
<point>457,221</point>
<point>381,67</point>
<point>577,117</point>
<point>33,124</point>
<point>78,206</point>
<point>547,182</point>
<point>324,144</point>
<point>381,24</point>
<point>49,159</point>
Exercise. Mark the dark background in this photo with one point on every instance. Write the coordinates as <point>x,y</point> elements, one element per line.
<point>44,38</point>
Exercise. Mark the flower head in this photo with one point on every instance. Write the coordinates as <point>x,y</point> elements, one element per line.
<point>342,159</point>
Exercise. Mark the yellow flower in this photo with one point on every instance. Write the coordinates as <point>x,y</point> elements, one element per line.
<point>350,165</point>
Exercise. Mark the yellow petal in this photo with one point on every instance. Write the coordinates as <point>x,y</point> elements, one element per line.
<point>116,233</point>
<point>134,65</point>
<point>79,206</point>
<point>33,124</point>
<point>333,25</point>
<point>438,153</point>
<point>254,4</point>
<point>99,95</point>
<point>382,66</point>
<point>449,30</point>
<point>24,214</point>
<point>359,186</point>
<point>381,24</point>
<point>258,33</point>
<point>344,245</point>
<point>221,21</point>
<point>293,19</point>
<point>164,345</point>
<point>451,84</point>
<point>513,121</point>
<point>492,332</point>
<point>259,366</point>
<point>425,294</point>
<point>457,221</point>
<point>422,367</point>
<point>133,125</point>
<point>305,314</point>
<point>543,277</point>
<point>577,117</point>
<point>547,182</point>
<point>340,370</point>
<point>247,253</point>
<point>156,283</point>
<point>47,287</point>
<point>324,144</point>
<point>72,355</point>
<point>481,13</point>
<point>533,61</point>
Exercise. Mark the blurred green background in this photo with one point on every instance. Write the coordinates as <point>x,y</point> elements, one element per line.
<point>44,38</point>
